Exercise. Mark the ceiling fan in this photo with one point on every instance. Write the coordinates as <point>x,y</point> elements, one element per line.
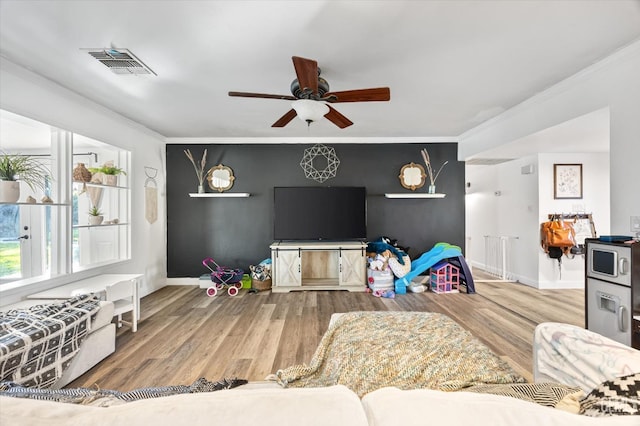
<point>312,97</point>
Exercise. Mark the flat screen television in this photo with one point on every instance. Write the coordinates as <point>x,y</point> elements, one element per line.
<point>320,213</point>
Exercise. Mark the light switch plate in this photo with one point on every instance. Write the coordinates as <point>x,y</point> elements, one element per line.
<point>635,223</point>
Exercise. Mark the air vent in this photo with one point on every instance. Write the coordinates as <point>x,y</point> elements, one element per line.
<point>120,61</point>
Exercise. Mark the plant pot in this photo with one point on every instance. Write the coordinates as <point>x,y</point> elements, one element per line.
<point>9,191</point>
<point>95,220</point>
<point>110,180</point>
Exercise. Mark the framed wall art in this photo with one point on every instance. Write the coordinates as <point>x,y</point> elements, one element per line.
<point>567,181</point>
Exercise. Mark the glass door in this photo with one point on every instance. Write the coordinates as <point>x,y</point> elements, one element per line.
<point>10,247</point>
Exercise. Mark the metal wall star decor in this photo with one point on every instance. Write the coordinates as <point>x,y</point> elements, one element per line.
<point>307,163</point>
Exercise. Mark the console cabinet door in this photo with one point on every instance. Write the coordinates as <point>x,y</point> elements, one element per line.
<point>288,272</point>
<point>352,268</point>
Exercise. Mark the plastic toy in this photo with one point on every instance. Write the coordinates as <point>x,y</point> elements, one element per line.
<point>444,278</point>
<point>440,251</point>
<point>223,277</point>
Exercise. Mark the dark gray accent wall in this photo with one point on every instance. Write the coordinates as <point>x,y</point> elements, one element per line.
<point>237,232</point>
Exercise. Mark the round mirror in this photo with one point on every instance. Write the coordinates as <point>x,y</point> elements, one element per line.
<point>412,176</point>
<point>220,178</point>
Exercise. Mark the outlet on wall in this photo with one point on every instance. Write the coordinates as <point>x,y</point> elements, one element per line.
<point>635,224</point>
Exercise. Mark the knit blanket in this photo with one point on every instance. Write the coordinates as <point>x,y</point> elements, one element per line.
<point>366,351</point>
<point>37,344</point>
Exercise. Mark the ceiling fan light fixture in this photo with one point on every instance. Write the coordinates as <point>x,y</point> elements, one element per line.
<point>310,111</point>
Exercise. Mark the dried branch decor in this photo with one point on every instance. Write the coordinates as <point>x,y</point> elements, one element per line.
<point>199,170</point>
<point>427,162</point>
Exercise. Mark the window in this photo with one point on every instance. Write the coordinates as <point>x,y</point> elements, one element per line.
<point>40,239</point>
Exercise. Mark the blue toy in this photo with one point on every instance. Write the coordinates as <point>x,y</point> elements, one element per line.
<point>440,251</point>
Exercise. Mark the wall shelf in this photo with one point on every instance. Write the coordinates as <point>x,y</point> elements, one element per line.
<point>220,195</point>
<point>419,195</point>
<point>102,225</point>
<point>98,185</point>
<point>34,204</point>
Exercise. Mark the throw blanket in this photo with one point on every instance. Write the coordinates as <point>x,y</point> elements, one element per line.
<point>366,351</point>
<point>38,344</point>
<point>108,398</point>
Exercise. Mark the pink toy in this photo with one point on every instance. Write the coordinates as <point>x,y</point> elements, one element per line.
<point>388,294</point>
<point>444,278</point>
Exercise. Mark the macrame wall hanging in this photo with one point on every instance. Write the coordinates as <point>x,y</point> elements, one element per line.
<point>150,194</point>
<point>319,155</point>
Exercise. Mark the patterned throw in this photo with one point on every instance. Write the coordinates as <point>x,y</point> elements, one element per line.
<point>553,395</point>
<point>108,398</point>
<point>366,351</point>
<point>38,344</point>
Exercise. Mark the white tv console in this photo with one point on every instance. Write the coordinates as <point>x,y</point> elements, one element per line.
<point>318,265</point>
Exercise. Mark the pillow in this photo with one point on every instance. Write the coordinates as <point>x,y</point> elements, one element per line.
<point>620,396</point>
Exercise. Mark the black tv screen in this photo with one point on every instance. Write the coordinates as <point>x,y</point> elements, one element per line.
<point>320,213</point>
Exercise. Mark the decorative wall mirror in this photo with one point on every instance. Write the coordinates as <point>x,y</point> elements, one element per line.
<point>412,176</point>
<point>220,178</point>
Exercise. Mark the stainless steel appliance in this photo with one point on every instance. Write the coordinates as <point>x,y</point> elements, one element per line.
<point>612,288</point>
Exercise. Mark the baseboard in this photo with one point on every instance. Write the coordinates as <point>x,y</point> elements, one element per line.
<point>183,281</point>
<point>560,285</point>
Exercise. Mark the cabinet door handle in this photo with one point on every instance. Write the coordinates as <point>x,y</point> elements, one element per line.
<point>624,263</point>
<point>621,316</point>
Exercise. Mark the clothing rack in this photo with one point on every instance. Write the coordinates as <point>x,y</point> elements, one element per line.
<point>570,216</point>
<point>576,217</point>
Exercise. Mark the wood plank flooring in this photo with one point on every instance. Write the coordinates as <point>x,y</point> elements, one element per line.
<point>184,335</point>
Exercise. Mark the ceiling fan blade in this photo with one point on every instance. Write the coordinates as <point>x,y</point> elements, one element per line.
<point>338,119</point>
<point>359,95</point>
<point>307,73</point>
<point>262,95</point>
<point>285,119</point>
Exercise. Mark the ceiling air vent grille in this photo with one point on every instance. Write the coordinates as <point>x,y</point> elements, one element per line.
<point>120,61</point>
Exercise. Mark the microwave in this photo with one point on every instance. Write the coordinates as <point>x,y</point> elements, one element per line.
<point>609,262</point>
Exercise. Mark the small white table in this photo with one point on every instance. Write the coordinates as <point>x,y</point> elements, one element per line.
<point>96,285</point>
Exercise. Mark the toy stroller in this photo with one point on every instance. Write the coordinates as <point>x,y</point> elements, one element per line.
<point>223,277</point>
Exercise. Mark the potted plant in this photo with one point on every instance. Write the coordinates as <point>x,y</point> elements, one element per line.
<point>95,216</point>
<point>109,173</point>
<point>15,168</point>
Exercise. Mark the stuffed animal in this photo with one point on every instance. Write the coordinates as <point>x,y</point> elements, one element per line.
<point>261,272</point>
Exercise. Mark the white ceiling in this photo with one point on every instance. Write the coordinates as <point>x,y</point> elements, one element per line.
<point>450,64</point>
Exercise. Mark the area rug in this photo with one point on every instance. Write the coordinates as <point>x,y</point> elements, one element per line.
<point>366,351</point>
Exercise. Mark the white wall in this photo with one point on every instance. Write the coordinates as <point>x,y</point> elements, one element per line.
<point>610,182</point>
<point>595,200</point>
<point>27,94</point>
<point>525,201</point>
<point>612,83</point>
<point>480,199</point>
<point>505,206</point>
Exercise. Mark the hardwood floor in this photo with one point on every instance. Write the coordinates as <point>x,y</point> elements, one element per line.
<point>184,335</point>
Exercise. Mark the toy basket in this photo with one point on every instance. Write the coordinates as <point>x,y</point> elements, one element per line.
<point>261,285</point>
